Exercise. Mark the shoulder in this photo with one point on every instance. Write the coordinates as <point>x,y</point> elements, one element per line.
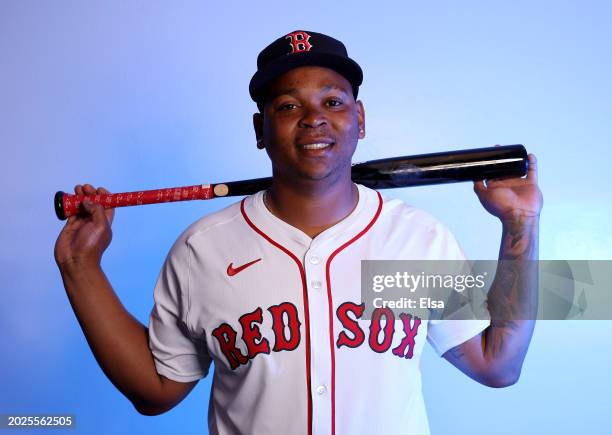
<point>404,216</point>
<point>413,232</point>
<point>224,220</point>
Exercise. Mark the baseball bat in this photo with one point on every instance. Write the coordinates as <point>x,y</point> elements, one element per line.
<point>423,169</point>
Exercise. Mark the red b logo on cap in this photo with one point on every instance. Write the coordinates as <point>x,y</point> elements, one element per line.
<point>299,41</point>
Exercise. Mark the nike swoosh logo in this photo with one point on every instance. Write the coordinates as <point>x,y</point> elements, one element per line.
<point>231,270</point>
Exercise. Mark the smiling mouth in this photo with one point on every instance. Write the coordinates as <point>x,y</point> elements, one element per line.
<point>316,146</point>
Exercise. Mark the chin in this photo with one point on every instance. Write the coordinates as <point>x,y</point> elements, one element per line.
<point>318,174</point>
<point>314,171</point>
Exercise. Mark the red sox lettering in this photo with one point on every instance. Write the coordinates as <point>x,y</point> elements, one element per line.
<point>285,318</point>
<point>404,350</point>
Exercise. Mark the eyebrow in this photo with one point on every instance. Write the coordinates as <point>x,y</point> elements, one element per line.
<point>295,91</point>
<point>330,87</point>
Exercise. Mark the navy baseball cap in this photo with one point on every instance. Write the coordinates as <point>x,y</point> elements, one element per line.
<point>303,48</point>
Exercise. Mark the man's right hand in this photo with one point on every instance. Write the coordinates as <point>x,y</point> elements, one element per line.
<point>85,236</point>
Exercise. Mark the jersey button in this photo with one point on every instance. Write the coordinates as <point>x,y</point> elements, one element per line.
<point>315,284</point>
<point>315,260</point>
<point>321,389</point>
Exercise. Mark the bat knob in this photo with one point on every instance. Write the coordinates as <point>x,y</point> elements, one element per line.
<point>58,203</point>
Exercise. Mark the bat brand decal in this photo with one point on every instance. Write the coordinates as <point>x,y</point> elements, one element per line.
<point>299,41</point>
<point>286,331</point>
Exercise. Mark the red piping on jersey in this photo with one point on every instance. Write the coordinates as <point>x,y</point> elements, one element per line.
<point>331,310</point>
<point>306,311</point>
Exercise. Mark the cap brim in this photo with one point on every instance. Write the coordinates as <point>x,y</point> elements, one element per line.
<point>343,65</point>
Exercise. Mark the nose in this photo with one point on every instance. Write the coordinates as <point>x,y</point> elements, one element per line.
<point>312,117</point>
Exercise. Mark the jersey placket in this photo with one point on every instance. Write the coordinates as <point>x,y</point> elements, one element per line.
<point>314,266</point>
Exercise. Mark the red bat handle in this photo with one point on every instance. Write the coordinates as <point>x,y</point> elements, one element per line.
<point>67,205</point>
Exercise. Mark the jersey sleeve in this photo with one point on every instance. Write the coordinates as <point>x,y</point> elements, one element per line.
<point>448,332</point>
<point>177,354</point>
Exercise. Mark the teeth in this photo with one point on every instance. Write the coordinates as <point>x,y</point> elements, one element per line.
<point>316,146</point>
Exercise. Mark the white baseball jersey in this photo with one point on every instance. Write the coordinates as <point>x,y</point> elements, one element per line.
<point>279,314</point>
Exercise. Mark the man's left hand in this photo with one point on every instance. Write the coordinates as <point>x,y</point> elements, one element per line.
<point>512,198</point>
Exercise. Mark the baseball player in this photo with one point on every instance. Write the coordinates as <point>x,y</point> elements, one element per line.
<point>269,288</point>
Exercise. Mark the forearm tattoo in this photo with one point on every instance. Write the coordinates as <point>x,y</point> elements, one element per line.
<point>513,298</point>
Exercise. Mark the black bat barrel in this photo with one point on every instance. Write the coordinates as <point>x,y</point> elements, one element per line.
<point>444,167</point>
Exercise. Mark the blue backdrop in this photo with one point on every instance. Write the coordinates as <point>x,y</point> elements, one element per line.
<point>136,95</point>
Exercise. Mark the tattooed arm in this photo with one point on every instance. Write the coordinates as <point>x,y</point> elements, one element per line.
<point>495,357</point>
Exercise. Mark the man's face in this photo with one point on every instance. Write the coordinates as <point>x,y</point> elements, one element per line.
<point>310,124</point>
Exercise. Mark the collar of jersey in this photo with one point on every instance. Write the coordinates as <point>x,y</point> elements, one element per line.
<point>281,231</point>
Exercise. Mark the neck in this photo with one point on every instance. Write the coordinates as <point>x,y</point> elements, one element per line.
<point>315,207</point>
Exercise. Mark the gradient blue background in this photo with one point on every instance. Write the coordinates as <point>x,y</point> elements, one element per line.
<point>136,95</point>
